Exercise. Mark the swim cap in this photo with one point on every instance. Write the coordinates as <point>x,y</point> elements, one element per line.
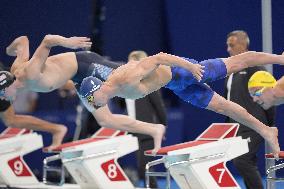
<point>89,85</point>
<point>6,79</point>
<point>261,79</point>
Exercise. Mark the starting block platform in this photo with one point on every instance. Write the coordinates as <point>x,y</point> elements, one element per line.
<point>201,164</point>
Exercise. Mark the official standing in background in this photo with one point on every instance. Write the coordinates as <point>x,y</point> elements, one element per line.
<point>237,91</point>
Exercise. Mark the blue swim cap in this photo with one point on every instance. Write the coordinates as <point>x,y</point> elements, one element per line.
<point>89,85</point>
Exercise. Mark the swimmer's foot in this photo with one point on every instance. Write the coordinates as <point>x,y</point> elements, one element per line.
<point>158,137</point>
<point>57,137</point>
<point>272,139</point>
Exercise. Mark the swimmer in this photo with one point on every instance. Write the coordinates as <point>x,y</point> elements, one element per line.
<point>265,90</point>
<point>137,79</point>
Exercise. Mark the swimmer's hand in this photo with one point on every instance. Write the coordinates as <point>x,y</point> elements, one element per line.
<point>71,42</point>
<point>77,42</point>
<point>197,70</point>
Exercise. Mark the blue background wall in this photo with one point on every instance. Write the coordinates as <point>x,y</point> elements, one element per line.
<point>195,29</point>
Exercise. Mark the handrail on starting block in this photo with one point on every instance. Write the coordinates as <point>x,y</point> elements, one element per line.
<point>271,176</point>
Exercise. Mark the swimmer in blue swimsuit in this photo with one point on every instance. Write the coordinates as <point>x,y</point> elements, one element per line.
<point>137,79</point>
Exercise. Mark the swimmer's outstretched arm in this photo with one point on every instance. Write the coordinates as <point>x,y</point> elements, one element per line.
<point>125,123</point>
<point>19,48</point>
<point>150,63</point>
<point>37,62</point>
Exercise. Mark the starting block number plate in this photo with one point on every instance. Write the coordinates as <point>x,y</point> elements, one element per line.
<point>113,171</point>
<point>19,168</point>
<point>221,175</point>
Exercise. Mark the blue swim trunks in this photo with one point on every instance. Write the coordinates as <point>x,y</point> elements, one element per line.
<point>184,85</point>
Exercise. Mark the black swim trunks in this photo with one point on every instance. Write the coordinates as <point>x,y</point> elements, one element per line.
<point>92,64</point>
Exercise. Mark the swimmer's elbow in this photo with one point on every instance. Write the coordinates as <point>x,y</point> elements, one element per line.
<point>158,57</point>
<point>161,56</point>
<point>47,41</point>
<point>23,40</point>
<point>162,59</point>
<point>51,40</point>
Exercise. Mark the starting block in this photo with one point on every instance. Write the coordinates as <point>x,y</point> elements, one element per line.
<point>201,164</point>
<point>103,133</point>
<point>270,172</point>
<point>14,144</point>
<point>93,162</point>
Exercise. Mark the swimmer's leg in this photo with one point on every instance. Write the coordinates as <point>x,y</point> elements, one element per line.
<point>222,106</point>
